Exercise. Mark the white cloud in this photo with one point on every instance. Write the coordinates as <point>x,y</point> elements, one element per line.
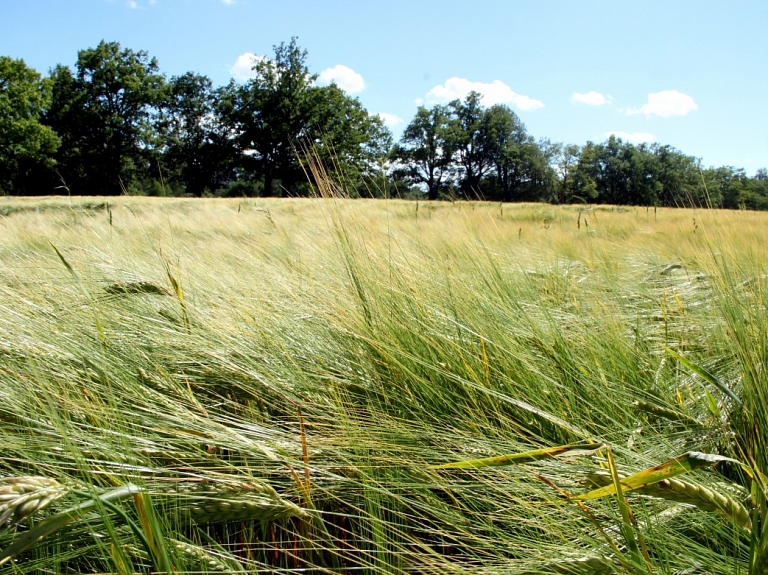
<point>228,2</point>
<point>591,99</point>
<point>390,119</point>
<point>132,4</point>
<point>665,104</point>
<point>634,137</point>
<point>243,67</point>
<point>344,77</point>
<point>497,92</point>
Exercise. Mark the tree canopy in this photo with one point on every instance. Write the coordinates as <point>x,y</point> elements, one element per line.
<point>195,149</point>
<point>281,114</point>
<point>424,154</point>
<point>102,113</point>
<point>467,150</point>
<point>114,124</point>
<point>26,145</point>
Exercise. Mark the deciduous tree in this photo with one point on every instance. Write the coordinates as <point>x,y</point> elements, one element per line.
<point>519,167</point>
<point>470,143</point>
<point>281,114</point>
<point>26,146</point>
<point>103,114</point>
<point>351,143</point>
<point>197,152</point>
<point>424,155</point>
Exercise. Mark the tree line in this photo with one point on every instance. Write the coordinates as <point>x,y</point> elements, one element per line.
<point>116,125</point>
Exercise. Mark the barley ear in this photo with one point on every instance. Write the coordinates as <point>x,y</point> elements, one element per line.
<point>209,502</point>
<point>209,561</point>
<point>21,497</point>
<point>692,494</point>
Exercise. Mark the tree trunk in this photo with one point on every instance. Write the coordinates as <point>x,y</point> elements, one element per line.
<point>268,180</point>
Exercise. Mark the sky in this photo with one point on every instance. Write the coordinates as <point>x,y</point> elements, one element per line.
<point>690,74</point>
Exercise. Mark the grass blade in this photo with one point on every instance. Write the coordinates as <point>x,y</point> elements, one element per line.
<point>153,533</point>
<point>628,523</point>
<point>705,375</point>
<point>85,291</point>
<point>572,450</point>
<point>672,468</point>
<point>53,524</point>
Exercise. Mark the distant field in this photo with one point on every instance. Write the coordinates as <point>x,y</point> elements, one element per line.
<point>276,381</point>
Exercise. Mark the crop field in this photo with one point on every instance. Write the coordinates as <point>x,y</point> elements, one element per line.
<point>381,386</point>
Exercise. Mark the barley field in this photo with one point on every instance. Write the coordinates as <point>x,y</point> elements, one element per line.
<point>371,386</point>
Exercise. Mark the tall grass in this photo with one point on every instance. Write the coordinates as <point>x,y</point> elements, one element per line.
<point>285,381</point>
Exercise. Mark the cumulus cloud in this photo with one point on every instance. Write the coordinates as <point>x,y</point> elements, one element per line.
<point>497,92</point>
<point>665,104</point>
<point>242,69</point>
<point>344,77</point>
<point>390,119</point>
<point>591,99</point>
<point>634,137</point>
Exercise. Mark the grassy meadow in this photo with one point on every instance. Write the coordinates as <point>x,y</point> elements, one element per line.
<point>327,385</point>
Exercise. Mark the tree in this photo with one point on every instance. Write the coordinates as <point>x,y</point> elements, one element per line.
<point>489,150</point>
<point>26,146</point>
<point>755,194</point>
<point>196,150</point>
<point>103,115</point>
<point>424,154</point>
<point>565,158</point>
<point>618,172</point>
<point>642,172</point>
<point>270,112</point>
<point>345,138</point>
<point>726,186</point>
<point>614,173</point>
<point>280,114</point>
<point>519,167</point>
<point>541,177</point>
<point>678,176</point>
<point>469,141</point>
<point>588,173</point>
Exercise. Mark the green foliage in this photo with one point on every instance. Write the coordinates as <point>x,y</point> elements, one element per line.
<point>268,112</point>
<point>510,149</point>
<point>728,187</point>
<point>617,172</point>
<point>343,135</point>
<point>469,138</point>
<point>564,159</point>
<point>102,114</point>
<point>280,116</point>
<point>196,150</point>
<point>482,153</point>
<point>26,146</point>
<point>424,154</point>
<point>114,125</point>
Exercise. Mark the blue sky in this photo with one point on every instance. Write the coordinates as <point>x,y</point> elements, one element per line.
<point>692,74</point>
